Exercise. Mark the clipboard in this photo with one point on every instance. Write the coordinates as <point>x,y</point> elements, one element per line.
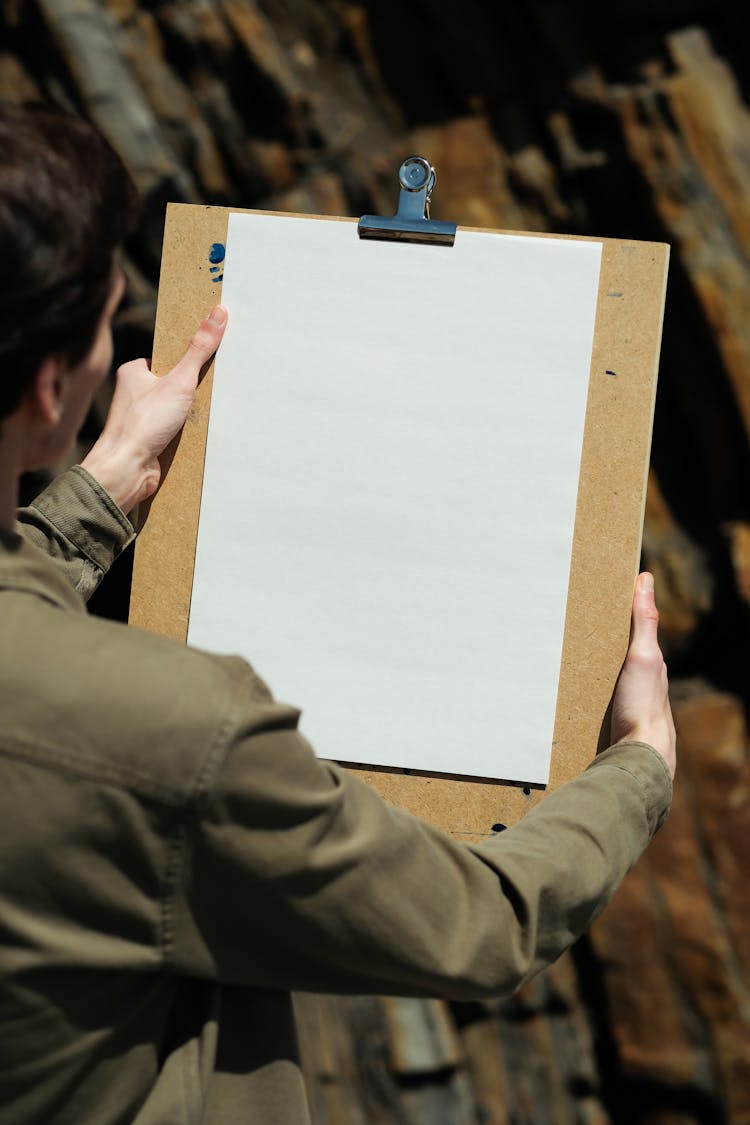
<point>609,510</point>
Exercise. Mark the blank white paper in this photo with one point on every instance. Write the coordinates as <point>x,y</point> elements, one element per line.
<point>390,486</point>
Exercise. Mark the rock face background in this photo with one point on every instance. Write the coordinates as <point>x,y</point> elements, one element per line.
<point>551,115</point>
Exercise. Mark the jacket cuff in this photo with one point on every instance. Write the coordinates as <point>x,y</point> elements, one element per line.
<point>649,769</point>
<point>87,516</point>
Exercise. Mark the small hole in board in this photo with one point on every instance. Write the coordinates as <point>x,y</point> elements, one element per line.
<point>526,791</point>
<point>499,827</point>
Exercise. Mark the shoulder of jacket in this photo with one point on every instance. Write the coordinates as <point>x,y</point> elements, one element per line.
<point>127,706</point>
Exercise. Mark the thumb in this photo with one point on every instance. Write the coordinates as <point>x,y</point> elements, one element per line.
<point>203,343</point>
<point>645,613</point>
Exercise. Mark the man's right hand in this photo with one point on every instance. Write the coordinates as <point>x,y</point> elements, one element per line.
<point>640,709</point>
<point>145,414</point>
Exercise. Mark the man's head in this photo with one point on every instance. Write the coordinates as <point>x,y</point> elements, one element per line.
<point>66,203</point>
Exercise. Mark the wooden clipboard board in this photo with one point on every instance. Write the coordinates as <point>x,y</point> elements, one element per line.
<point>608,524</point>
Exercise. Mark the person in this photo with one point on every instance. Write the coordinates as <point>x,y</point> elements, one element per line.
<point>175,858</point>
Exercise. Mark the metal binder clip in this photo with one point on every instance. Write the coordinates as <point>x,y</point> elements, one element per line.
<point>412,222</point>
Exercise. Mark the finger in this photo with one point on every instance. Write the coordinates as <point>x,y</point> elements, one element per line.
<point>134,373</point>
<point>204,342</point>
<point>645,613</point>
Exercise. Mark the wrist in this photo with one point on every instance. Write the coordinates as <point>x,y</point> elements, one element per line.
<point>124,475</point>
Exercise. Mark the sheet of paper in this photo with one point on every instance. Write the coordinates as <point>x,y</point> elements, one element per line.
<point>390,486</point>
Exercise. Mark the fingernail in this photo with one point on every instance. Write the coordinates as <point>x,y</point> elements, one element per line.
<point>647,583</point>
<point>218,315</point>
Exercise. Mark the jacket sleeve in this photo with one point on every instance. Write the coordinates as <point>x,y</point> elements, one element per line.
<point>297,875</point>
<point>79,526</point>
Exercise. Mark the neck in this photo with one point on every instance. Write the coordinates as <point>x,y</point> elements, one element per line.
<point>10,473</point>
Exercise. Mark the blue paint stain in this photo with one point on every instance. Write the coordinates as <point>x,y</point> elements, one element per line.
<point>216,255</point>
<point>611,373</point>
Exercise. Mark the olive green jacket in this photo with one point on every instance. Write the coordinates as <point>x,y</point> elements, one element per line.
<point>174,860</point>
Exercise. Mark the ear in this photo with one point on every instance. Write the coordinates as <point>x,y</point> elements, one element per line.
<point>46,392</point>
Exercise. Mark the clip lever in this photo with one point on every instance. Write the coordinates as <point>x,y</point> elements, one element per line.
<point>412,222</point>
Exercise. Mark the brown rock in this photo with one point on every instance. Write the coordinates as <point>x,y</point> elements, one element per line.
<point>674,944</point>
<point>681,571</point>
<point>472,174</point>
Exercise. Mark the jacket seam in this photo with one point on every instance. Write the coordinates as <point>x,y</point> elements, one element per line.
<point>653,813</point>
<point>57,760</point>
<point>653,754</point>
<point>175,855</point>
<point>216,752</point>
<point>175,867</point>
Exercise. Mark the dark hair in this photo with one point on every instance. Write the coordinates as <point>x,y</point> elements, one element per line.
<point>66,204</point>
